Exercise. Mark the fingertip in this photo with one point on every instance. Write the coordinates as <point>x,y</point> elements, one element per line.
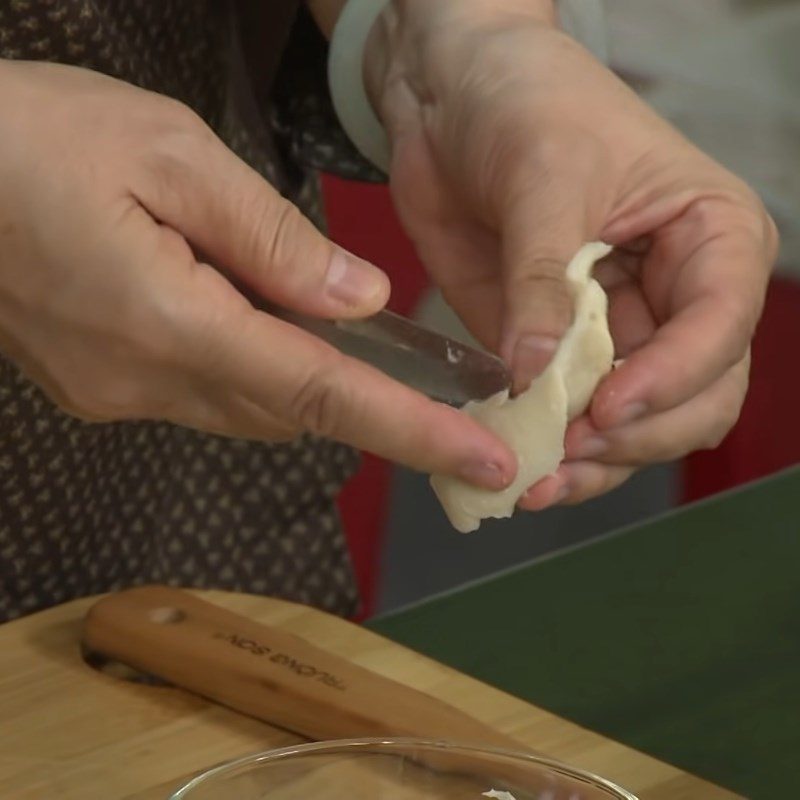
<point>501,458</point>
<point>353,286</point>
<point>456,444</point>
<point>620,397</point>
<point>579,431</point>
<point>613,409</point>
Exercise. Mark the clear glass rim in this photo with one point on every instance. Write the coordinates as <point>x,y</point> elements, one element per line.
<point>390,743</point>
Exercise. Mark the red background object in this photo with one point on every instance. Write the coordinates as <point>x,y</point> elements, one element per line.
<point>767,438</point>
<point>361,219</point>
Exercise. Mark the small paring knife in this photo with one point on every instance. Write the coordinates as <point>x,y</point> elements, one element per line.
<point>440,367</point>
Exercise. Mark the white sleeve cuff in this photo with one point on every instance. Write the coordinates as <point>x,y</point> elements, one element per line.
<point>346,79</point>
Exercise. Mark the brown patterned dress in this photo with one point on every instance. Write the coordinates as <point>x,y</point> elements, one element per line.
<point>87,508</point>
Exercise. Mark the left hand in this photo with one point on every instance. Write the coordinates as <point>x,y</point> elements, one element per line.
<point>512,147</point>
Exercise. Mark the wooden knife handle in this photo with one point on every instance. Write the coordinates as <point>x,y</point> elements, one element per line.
<point>266,672</point>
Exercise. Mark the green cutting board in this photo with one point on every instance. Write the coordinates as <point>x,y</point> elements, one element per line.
<point>680,637</point>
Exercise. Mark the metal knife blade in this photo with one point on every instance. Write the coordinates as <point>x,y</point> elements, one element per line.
<point>438,366</point>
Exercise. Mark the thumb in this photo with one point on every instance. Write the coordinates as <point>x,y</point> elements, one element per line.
<point>540,237</point>
<point>241,224</point>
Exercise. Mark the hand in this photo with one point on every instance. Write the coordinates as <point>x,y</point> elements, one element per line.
<point>107,196</point>
<point>512,146</point>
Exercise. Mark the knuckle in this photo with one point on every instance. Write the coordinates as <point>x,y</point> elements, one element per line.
<point>652,443</point>
<point>741,209</point>
<point>659,447</point>
<point>600,480</point>
<point>732,207</point>
<point>177,117</point>
<point>673,372</point>
<point>273,243</point>
<point>742,317</point>
<point>318,403</point>
<point>189,332</point>
<point>540,289</point>
<point>546,151</point>
<point>727,416</point>
<point>582,492</point>
<point>712,213</point>
<point>272,234</point>
<point>542,270</point>
<point>178,143</point>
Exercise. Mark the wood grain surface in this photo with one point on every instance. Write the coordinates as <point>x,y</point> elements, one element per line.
<point>70,732</point>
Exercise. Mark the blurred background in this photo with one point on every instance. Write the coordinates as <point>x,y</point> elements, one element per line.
<point>727,73</point>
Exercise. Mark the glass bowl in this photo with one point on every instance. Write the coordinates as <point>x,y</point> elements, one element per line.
<point>396,769</point>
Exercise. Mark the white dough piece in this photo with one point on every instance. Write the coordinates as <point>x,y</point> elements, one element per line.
<point>537,416</point>
<point>586,352</point>
<point>534,423</point>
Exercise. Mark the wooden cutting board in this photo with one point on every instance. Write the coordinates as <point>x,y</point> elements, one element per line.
<point>72,733</point>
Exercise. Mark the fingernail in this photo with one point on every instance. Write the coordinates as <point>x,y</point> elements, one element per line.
<point>631,413</point>
<point>352,281</point>
<point>591,448</point>
<point>531,355</point>
<point>486,474</point>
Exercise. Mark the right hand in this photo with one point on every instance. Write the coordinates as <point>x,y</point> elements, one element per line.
<point>108,194</point>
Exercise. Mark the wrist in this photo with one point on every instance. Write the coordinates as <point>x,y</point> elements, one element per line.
<point>390,57</point>
<point>416,41</point>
